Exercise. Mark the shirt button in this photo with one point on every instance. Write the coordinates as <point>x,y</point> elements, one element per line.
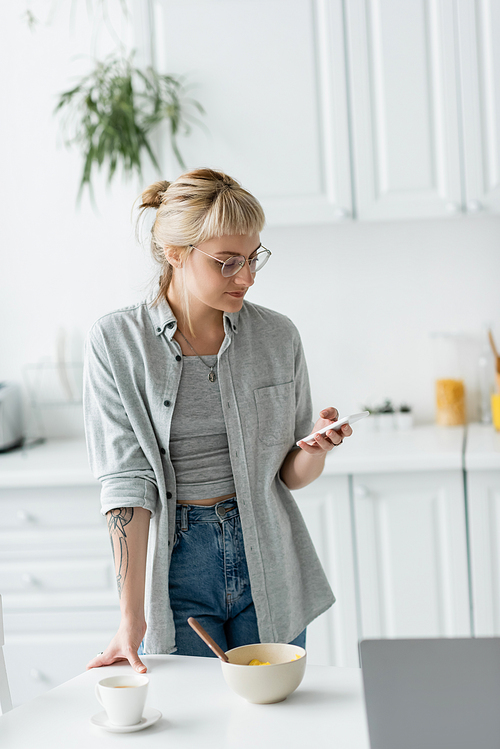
<point>163,451</point>
<point>178,358</point>
<point>170,325</point>
<point>166,403</point>
<point>169,495</point>
<point>234,327</point>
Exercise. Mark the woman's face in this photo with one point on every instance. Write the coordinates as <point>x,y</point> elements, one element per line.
<point>203,276</point>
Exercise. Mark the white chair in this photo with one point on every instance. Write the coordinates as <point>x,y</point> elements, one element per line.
<point>5,700</point>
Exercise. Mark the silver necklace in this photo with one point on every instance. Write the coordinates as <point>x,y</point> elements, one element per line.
<point>211,375</point>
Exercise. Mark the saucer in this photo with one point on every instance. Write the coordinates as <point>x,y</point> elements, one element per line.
<point>149,716</point>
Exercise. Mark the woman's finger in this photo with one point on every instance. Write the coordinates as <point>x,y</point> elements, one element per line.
<point>307,448</point>
<point>96,662</point>
<point>92,664</point>
<point>329,413</point>
<point>104,660</point>
<point>326,441</point>
<point>320,445</point>
<point>329,439</point>
<point>137,664</point>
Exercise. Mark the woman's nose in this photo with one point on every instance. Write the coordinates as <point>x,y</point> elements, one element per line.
<point>245,277</point>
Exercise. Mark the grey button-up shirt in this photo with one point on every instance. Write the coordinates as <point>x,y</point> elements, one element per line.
<point>132,371</point>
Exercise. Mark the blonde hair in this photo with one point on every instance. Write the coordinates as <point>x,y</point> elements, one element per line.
<point>198,206</point>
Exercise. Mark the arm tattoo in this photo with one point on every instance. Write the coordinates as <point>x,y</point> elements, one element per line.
<point>117,520</point>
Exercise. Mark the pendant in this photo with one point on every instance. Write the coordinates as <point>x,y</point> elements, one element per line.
<point>212,376</point>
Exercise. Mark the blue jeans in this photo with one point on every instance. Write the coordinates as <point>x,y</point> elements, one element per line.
<point>209,580</point>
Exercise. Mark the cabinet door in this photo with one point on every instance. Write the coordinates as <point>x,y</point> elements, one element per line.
<point>412,554</point>
<point>483,493</point>
<point>46,648</point>
<point>271,77</point>
<point>479,30</point>
<point>332,639</point>
<point>403,93</point>
<point>34,666</point>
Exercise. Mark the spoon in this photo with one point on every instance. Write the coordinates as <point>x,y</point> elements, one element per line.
<point>207,639</point>
<point>497,357</point>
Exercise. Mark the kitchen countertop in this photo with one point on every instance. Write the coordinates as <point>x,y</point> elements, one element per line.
<point>423,448</point>
<point>52,463</point>
<point>483,448</point>
<point>199,710</point>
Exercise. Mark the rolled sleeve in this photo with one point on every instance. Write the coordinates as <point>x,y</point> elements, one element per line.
<point>115,454</point>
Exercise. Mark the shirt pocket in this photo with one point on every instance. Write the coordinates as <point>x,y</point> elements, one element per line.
<point>276,413</point>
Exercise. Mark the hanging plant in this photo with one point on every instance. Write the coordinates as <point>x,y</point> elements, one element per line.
<point>111,113</point>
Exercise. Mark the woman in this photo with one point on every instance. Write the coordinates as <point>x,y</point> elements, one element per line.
<point>193,403</point>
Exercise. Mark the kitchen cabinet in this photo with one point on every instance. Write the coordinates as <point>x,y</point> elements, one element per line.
<point>482,464</point>
<point>272,81</point>
<point>424,92</point>
<point>404,98</point>
<point>331,110</point>
<point>478,27</point>
<point>388,521</point>
<point>412,554</point>
<point>56,575</point>
<point>406,551</point>
<point>409,530</point>
<point>332,639</point>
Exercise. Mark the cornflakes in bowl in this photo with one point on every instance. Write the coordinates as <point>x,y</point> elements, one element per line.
<point>285,667</point>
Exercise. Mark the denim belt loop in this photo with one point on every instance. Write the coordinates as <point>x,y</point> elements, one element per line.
<point>184,518</point>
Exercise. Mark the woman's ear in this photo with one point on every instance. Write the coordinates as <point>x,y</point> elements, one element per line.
<point>172,255</point>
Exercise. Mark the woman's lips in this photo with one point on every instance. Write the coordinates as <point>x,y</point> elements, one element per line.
<point>237,294</point>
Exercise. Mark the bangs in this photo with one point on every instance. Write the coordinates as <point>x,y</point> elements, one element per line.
<point>232,212</point>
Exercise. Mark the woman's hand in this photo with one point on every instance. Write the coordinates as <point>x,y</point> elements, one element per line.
<point>327,441</point>
<point>123,647</point>
<point>300,467</point>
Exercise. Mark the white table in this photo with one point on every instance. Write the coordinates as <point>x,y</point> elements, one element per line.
<point>199,710</point>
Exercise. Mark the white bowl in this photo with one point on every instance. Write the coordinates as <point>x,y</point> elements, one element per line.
<point>265,684</point>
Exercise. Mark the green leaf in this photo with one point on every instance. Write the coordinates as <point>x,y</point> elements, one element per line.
<point>111,111</point>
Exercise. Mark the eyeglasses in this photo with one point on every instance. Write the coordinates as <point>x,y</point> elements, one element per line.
<point>235,263</point>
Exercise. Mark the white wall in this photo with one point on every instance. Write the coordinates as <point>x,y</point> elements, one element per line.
<point>61,266</point>
<point>364,296</point>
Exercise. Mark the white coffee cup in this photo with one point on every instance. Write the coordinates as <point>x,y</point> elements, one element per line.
<point>123,698</point>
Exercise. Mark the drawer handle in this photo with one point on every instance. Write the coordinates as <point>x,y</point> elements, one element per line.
<point>37,675</point>
<point>474,206</point>
<point>361,492</point>
<point>340,213</point>
<point>25,517</point>
<point>29,579</point>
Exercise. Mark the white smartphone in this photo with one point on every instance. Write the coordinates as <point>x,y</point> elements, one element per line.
<point>336,425</point>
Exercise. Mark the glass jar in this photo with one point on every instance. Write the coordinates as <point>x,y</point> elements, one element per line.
<point>449,382</point>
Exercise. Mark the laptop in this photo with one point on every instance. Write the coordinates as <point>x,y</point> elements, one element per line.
<point>432,693</point>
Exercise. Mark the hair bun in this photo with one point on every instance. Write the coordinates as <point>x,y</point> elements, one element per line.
<point>153,195</point>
